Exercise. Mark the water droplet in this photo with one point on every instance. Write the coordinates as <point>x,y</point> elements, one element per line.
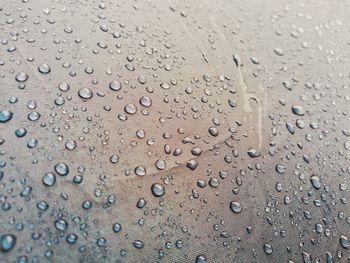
<point>5,116</point>
<point>63,86</point>
<point>140,171</point>
<point>22,77</point>
<point>268,249</point>
<point>213,131</point>
<point>278,51</point>
<point>290,127</point>
<point>160,164</point>
<point>49,179</point>
<point>21,132</point>
<point>344,241</point>
<point>70,144</point>
<point>44,68</point>
<point>62,169</point>
<point>138,244</point>
<point>130,109</point>
<point>280,168</point>
<point>158,189</point>
<point>61,224</point>
<point>7,242</point>
<point>165,85</point>
<point>145,101</point>
<point>315,181</point>
<point>298,110</point>
<point>116,227</point>
<point>201,259</point>
<point>115,85</point>
<point>141,203</point>
<point>235,207</point>
<point>71,238</point>
<point>85,93</point>
<point>232,103</point>
<point>253,153</point>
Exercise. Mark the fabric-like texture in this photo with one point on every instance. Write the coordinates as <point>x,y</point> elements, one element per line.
<point>174,131</point>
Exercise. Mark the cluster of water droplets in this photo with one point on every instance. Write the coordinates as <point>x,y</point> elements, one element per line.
<point>153,132</point>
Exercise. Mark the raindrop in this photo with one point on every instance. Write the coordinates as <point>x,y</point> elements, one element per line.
<point>290,127</point>
<point>34,116</point>
<point>5,116</point>
<point>140,171</point>
<point>114,159</point>
<point>61,224</point>
<point>22,77</point>
<point>71,238</point>
<point>278,51</point>
<point>49,179</point>
<point>21,132</point>
<point>8,242</point>
<point>315,181</point>
<point>235,207</point>
<point>268,249</point>
<point>253,153</point>
<point>62,169</point>
<point>130,109</point>
<point>145,101</point>
<point>138,244</point>
<point>70,144</point>
<point>115,85</point>
<point>344,241</point>
<point>85,93</point>
<point>165,85</point>
<point>116,227</point>
<point>158,190</point>
<point>201,259</point>
<point>232,103</point>
<point>63,86</point>
<point>141,203</point>
<point>280,168</point>
<point>196,151</point>
<point>298,110</point>
<point>44,68</point>
<point>213,131</point>
<point>160,164</point>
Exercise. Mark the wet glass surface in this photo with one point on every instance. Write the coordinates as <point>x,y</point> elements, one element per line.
<point>174,131</point>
